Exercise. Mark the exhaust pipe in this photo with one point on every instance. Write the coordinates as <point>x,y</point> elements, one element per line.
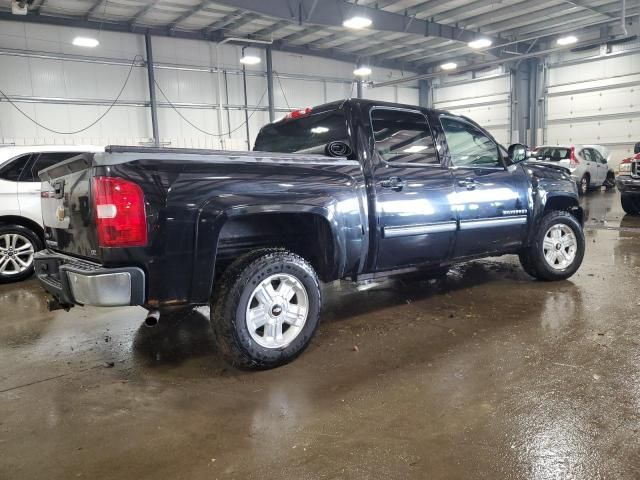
<point>153,318</point>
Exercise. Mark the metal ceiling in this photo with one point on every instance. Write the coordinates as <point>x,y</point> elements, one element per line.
<point>414,35</point>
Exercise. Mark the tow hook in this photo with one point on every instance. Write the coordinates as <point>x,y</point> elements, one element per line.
<point>53,304</point>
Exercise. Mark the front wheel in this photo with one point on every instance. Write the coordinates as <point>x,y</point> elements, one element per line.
<point>557,249</point>
<point>18,244</point>
<point>631,204</point>
<point>265,309</point>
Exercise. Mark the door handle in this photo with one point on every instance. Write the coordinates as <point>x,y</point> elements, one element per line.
<point>394,183</point>
<point>469,183</point>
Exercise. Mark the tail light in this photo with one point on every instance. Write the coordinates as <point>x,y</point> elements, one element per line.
<point>573,160</point>
<point>298,113</point>
<point>120,212</point>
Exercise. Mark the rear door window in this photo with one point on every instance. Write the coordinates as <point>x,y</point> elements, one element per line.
<point>322,133</point>
<point>42,161</point>
<point>403,137</point>
<point>12,170</point>
<point>587,155</point>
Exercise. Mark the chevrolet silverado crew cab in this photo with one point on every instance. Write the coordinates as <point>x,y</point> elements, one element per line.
<point>355,190</point>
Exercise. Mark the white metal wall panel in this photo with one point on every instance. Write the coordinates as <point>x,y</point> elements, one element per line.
<point>87,85</point>
<point>595,101</point>
<point>486,100</point>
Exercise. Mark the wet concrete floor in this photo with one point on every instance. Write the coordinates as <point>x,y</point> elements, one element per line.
<point>488,374</point>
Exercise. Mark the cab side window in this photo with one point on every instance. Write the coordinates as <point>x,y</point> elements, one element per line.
<point>403,137</point>
<point>468,146</point>
<point>42,161</point>
<point>14,168</point>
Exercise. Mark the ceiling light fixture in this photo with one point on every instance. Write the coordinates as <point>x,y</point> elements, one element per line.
<point>449,66</point>
<point>357,23</point>
<point>362,72</point>
<point>568,40</point>
<point>480,43</point>
<point>249,57</point>
<point>85,42</point>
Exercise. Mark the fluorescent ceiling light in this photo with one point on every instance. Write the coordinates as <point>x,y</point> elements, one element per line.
<point>357,22</point>
<point>415,149</point>
<point>319,130</point>
<point>85,42</point>
<point>362,72</point>
<point>250,60</point>
<point>568,40</point>
<point>480,43</point>
<point>449,66</point>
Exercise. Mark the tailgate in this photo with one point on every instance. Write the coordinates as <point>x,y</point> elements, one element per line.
<point>66,207</point>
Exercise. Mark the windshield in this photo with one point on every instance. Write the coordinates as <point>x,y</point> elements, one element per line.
<point>309,134</point>
<point>552,154</point>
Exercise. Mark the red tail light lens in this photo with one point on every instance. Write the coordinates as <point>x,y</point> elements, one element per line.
<point>119,212</point>
<point>573,160</point>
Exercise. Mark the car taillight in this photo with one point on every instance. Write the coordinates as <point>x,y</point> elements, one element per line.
<point>298,113</point>
<point>119,210</point>
<point>573,160</point>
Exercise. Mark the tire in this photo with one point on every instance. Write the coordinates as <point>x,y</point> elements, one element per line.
<point>583,185</point>
<point>244,286</point>
<point>570,245</point>
<point>18,244</point>
<point>610,182</point>
<point>630,204</point>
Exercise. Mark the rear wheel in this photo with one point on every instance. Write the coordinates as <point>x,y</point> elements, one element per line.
<point>610,182</point>
<point>583,185</point>
<point>265,309</point>
<point>557,250</point>
<point>18,245</point>
<point>631,204</point>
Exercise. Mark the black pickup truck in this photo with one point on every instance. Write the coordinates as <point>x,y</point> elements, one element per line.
<point>351,190</point>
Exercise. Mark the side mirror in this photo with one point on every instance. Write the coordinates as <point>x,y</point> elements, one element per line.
<point>636,150</point>
<point>519,153</point>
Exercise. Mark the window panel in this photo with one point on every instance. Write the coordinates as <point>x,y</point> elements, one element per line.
<point>403,137</point>
<point>468,146</point>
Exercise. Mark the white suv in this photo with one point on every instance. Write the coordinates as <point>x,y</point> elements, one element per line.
<point>21,232</point>
<point>589,164</point>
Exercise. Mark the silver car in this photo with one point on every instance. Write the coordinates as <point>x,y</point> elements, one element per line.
<point>588,164</point>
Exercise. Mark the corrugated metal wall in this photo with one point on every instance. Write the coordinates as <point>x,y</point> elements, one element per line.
<point>62,88</point>
<point>595,100</point>
<point>486,99</point>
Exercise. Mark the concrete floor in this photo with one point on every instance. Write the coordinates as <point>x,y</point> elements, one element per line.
<point>488,374</point>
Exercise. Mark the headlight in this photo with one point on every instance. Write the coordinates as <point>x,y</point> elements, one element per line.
<point>625,169</point>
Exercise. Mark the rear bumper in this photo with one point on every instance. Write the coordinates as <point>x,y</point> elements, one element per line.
<point>628,184</point>
<point>73,281</point>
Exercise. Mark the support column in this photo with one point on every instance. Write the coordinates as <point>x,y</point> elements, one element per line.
<point>522,98</point>
<point>359,93</point>
<point>152,90</point>
<point>424,93</point>
<point>272,107</point>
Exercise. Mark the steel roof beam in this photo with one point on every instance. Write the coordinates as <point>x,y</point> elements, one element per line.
<point>334,12</point>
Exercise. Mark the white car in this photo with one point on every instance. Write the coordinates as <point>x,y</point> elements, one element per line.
<point>589,164</point>
<point>21,232</point>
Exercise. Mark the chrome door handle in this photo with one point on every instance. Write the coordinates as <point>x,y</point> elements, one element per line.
<point>393,183</point>
<point>469,183</point>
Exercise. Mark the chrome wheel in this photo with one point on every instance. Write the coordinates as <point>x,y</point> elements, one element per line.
<point>16,254</point>
<point>277,311</point>
<point>560,246</point>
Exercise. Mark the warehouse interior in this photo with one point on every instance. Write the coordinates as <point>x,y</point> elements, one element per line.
<point>485,373</point>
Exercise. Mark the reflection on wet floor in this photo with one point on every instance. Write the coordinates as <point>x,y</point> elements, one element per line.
<point>486,374</point>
